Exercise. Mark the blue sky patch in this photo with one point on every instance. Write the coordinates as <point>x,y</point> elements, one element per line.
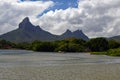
<point>59,4</point>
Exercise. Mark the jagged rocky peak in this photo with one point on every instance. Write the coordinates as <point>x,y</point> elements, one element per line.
<point>79,33</point>
<point>26,24</point>
<point>68,31</point>
<point>26,19</point>
<point>74,32</point>
<point>78,30</point>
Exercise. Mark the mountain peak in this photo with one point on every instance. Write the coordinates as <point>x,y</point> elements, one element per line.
<point>26,19</point>
<point>78,31</point>
<point>76,34</point>
<point>26,24</point>
<point>68,31</point>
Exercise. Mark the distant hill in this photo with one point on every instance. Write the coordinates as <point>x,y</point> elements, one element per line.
<point>28,32</point>
<point>115,37</point>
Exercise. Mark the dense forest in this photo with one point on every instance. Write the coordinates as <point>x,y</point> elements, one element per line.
<point>96,46</point>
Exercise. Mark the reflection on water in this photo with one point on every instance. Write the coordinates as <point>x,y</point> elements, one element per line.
<point>30,58</point>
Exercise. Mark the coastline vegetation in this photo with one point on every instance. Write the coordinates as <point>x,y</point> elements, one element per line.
<point>110,52</point>
<point>96,46</point>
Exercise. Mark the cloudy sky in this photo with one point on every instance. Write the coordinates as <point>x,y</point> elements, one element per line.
<point>95,17</point>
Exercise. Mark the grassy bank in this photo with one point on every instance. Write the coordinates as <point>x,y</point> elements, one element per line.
<point>110,52</point>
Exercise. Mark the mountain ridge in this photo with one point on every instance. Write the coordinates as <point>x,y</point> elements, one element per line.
<point>27,32</point>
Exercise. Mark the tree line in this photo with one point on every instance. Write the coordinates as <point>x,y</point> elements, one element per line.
<point>67,45</point>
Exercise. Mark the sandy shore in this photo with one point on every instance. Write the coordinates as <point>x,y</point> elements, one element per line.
<point>58,67</point>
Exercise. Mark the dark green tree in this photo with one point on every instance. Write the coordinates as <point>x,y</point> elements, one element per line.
<point>23,45</point>
<point>113,44</point>
<point>43,46</point>
<point>71,45</point>
<point>6,44</point>
<point>98,44</point>
<point>63,48</point>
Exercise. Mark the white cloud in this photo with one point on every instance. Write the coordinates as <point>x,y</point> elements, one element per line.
<point>94,17</point>
<point>13,11</point>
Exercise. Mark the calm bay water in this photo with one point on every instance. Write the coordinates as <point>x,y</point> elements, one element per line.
<point>30,58</point>
<point>9,52</point>
<point>29,65</point>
